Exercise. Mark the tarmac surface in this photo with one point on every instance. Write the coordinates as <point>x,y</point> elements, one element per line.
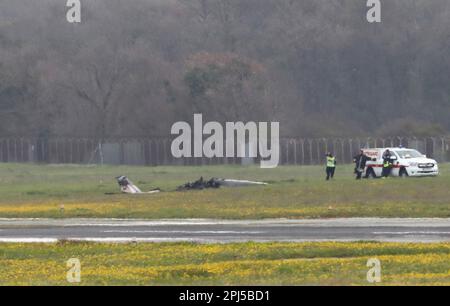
<point>224,231</point>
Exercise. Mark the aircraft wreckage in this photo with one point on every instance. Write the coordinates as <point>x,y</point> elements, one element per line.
<point>127,186</point>
<point>217,183</point>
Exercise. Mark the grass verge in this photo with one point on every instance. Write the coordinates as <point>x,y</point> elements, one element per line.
<point>327,263</point>
<point>294,192</point>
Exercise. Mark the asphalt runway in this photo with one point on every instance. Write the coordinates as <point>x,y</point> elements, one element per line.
<point>220,231</point>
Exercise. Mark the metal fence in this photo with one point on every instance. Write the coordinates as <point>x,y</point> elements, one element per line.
<point>156,151</point>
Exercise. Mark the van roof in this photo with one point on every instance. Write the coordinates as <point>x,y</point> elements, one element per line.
<point>389,148</point>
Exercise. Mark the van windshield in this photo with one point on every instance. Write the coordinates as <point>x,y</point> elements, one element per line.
<point>405,154</point>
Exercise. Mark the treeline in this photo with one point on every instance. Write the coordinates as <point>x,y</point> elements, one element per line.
<point>133,68</point>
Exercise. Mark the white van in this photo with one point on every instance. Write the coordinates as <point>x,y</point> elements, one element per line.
<point>407,162</point>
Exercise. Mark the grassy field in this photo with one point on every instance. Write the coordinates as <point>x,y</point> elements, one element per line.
<point>231,264</point>
<point>294,192</point>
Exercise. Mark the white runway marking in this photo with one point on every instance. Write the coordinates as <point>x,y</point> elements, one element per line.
<point>344,222</point>
<point>28,240</point>
<point>411,233</point>
<point>181,232</point>
<point>195,240</point>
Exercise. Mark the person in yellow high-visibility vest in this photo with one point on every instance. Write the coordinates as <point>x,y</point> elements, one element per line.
<point>387,164</point>
<point>331,166</point>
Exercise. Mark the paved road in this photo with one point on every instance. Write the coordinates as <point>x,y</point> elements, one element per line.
<point>208,231</point>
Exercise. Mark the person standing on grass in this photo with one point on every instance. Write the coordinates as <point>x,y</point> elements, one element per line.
<point>331,166</point>
<point>387,164</point>
<point>360,161</point>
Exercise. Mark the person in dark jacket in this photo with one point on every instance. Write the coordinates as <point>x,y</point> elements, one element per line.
<point>360,161</point>
<point>387,155</point>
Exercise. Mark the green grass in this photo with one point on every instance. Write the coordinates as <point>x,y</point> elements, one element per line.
<point>294,192</point>
<point>324,263</point>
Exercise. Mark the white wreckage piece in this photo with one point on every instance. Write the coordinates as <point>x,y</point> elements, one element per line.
<point>127,186</point>
<point>238,183</point>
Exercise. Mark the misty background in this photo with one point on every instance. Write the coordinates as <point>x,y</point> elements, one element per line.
<point>133,68</point>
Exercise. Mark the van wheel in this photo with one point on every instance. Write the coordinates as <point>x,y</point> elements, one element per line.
<point>371,173</point>
<point>403,173</point>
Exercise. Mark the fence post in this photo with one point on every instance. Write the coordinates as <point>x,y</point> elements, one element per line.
<point>302,142</point>
<point>318,151</point>
<point>443,149</point>
<point>295,151</point>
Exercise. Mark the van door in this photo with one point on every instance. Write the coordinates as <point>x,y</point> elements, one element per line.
<point>395,161</point>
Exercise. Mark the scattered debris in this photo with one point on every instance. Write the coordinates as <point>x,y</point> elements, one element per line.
<point>217,183</point>
<point>127,186</point>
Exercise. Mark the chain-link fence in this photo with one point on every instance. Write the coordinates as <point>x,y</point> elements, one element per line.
<point>157,151</point>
